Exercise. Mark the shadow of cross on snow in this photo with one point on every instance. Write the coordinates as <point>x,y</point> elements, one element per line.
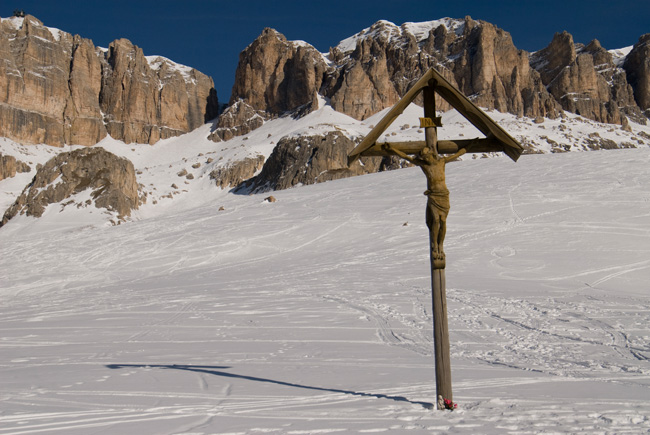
<point>217,371</point>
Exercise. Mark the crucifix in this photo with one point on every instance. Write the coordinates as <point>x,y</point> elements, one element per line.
<point>429,155</point>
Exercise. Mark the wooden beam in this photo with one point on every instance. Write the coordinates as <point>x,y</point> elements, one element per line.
<point>476,116</point>
<point>433,79</point>
<point>444,147</point>
<point>391,116</point>
<point>441,337</point>
<point>431,132</point>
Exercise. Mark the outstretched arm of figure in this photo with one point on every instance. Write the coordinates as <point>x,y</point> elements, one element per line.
<point>388,148</point>
<point>461,151</point>
<point>455,156</point>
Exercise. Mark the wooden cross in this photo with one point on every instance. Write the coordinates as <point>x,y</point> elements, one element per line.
<point>428,155</point>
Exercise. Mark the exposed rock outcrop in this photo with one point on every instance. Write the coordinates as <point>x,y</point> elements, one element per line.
<point>488,67</point>
<point>238,119</point>
<point>309,160</point>
<point>58,89</point>
<point>111,180</point>
<point>34,75</point>
<point>82,117</point>
<point>9,166</point>
<point>234,174</point>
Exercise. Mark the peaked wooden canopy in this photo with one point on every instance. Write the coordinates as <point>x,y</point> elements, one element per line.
<point>496,138</point>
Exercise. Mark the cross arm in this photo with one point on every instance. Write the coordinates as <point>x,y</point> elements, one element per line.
<point>444,147</point>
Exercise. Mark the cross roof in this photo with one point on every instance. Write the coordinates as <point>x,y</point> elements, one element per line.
<point>496,138</point>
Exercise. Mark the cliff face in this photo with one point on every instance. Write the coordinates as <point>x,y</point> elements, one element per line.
<point>34,75</point>
<point>147,99</point>
<point>637,67</point>
<point>277,75</point>
<point>58,89</point>
<point>373,69</point>
<point>273,76</point>
<point>54,88</point>
<point>585,80</point>
<point>475,56</point>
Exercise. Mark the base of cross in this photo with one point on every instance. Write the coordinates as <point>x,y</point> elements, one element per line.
<point>438,259</point>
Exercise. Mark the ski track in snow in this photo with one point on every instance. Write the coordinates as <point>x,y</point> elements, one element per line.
<point>312,314</point>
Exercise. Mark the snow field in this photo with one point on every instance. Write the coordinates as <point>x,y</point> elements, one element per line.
<point>312,314</point>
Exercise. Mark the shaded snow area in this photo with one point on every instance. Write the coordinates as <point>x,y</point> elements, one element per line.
<point>313,314</point>
<point>620,54</point>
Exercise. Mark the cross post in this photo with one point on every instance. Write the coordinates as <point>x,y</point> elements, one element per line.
<point>428,155</point>
<point>438,279</point>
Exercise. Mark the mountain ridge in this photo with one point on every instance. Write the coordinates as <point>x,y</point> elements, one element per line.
<point>59,89</point>
<point>299,107</point>
<point>361,75</point>
<point>371,70</point>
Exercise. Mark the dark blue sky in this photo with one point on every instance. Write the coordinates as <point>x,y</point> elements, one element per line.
<point>209,34</point>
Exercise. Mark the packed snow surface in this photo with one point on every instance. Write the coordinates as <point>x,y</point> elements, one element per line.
<point>312,314</point>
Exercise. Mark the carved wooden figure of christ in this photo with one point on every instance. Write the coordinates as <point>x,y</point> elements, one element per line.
<point>433,166</point>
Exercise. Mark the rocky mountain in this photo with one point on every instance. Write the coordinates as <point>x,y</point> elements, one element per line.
<point>585,80</point>
<point>56,88</point>
<point>277,75</point>
<point>371,70</point>
<point>109,181</point>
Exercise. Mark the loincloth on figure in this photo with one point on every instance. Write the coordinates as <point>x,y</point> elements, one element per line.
<point>438,199</point>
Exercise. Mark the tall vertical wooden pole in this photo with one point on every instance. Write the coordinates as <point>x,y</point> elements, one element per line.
<point>438,285</point>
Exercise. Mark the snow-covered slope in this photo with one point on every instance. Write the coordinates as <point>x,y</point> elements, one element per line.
<point>312,314</point>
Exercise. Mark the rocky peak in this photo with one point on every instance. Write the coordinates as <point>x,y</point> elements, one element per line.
<point>34,75</point>
<point>585,80</point>
<point>602,59</point>
<point>33,27</point>
<point>276,75</point>
<point>637,67</point>
<point>147,99</point>
<point>373,69</point>
<point>549,61</point>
